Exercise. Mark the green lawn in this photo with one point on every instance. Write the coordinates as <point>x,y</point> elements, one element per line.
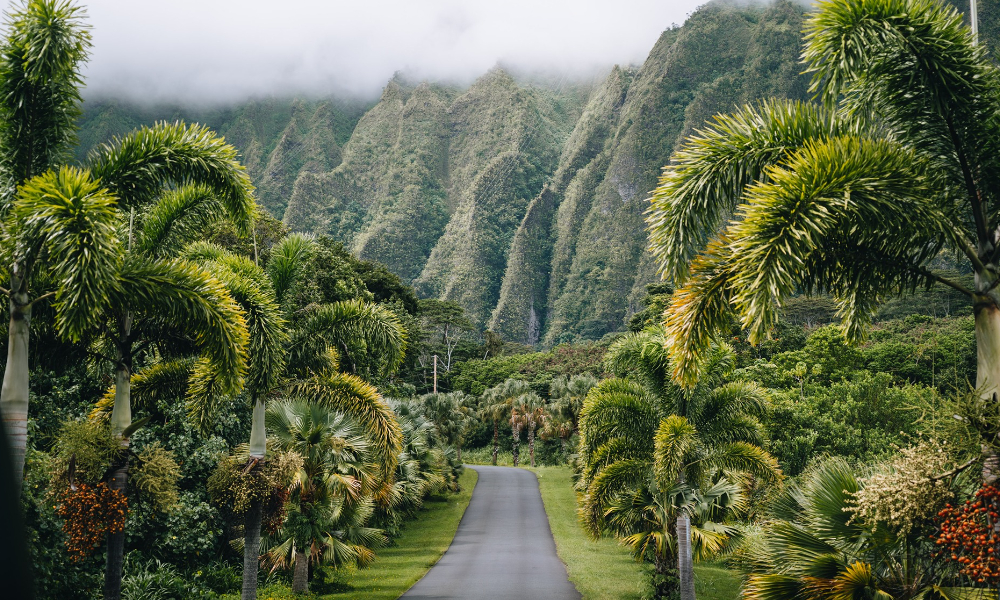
<point>601,569</point>
<point>421,545</point>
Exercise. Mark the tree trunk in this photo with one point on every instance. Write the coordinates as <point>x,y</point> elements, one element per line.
<point>258,433</point>
<point>116,541</point>
<point>685,561</point>
<point>300,579</point>
<point>251,549</point>
<point>121,419</point>
<point>988,370</point>
<point>14,393</point>
<point>516,446</point>
<point>496,442</point>
<point>531,443</point>
<point>459,453</point>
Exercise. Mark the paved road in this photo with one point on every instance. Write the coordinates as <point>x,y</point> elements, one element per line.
<point>503,549</point>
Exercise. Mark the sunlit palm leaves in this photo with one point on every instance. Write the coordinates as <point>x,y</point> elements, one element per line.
<point>852,200</point>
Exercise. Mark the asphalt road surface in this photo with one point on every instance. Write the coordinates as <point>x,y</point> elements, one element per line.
<point>503,549</point>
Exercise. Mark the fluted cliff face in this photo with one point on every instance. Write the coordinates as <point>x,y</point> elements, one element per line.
<point>521,200</point>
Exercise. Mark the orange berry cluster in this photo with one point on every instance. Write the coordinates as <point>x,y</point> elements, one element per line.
<point>89,513</point>
<point>967,536</point>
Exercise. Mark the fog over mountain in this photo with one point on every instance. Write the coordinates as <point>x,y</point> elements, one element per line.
<point>225,50</point>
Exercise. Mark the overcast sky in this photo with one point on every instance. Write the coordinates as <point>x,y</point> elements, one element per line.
<point>231,49</point>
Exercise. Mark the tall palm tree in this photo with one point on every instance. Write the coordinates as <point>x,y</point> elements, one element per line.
<point>332,495</point>
<point>854,197</point>
<point>646,438</point>
<point>496,404</point>
<point>531,414</point>
<point>41,56</point>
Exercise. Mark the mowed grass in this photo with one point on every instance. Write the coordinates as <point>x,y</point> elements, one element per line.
<point>602,569</point>
<point>422,543</point>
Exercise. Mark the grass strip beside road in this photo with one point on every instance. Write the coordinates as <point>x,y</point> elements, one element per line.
<point>422,543</point>
<point>602,569</point>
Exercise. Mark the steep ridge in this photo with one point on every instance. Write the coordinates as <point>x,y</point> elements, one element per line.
<point>722,57</point>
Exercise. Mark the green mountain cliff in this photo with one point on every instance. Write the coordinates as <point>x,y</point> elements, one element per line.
<point>520,199</point>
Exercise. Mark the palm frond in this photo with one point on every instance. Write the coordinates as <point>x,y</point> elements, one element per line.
<point>165,380</point>
<point>137,166</point>
<point>675,438</point>
<point>362,402</point>
<point>177,218</point>
<point>70,218</point>
<point>288,257</point>
<point>843,184</point>
<point>344,324</point>
<point>41,60</point>
<point>709,174</point>
<point>197,304</point>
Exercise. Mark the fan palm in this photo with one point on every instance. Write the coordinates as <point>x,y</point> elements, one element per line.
<point>649,447</point>
<point>451,416</point>
<point>331,496</point>
<point>854,197</point>
<point>815,547</point>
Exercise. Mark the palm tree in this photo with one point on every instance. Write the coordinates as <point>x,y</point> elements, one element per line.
<point>496,404</point>
<point>332,494</point>
<point>567,395</point>
<point>40,60</point>
<point>531,413</point>
<point>854,197</point>
<point>646,440</point>
<point>451,416</point>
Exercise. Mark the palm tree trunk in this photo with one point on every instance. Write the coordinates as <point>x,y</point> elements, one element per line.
<point>685,562</point>
<point>516,446</point>
<point>300,579</point>
<point>531,443</point>
<point>988,371</point>
<point>116,541</point>
<point>496,441</point>
<point>14,393</point>
<point>251,549</point>
<point>121,419</point>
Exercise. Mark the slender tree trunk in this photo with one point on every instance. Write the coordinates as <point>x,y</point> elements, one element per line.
<point>516,446</point>
<point>988,370</point>
<point>459,446</point>
<point>685,561</point>
<point>116,541</point>
<point>531,443</point>
<point>252,520</point>
<point>251,549</point>
<point>121,419</point>
<point>14,393</point>
<point>300,578</point>
<point>496,441</point>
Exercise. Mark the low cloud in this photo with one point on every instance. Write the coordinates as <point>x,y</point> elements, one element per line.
<point>224,50</point>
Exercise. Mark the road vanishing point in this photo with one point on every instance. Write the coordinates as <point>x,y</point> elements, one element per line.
<point>503,549</point>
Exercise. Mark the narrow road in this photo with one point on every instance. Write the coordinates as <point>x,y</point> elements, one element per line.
<point>503,549</point>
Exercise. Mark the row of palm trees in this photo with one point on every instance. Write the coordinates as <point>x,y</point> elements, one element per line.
<point>115,246</point>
